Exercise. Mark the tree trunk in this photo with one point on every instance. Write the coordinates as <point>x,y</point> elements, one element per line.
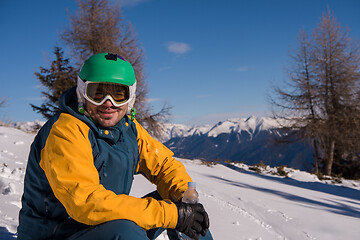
<point>316,156</point>
<point>330,159</point>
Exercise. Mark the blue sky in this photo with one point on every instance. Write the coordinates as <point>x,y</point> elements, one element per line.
<point>211,60</point>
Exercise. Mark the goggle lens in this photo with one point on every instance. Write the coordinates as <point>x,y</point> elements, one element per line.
<point>98,91</point>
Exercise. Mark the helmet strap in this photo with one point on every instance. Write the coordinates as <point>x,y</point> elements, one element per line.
<point>81,109</point>
<point>133,112</point>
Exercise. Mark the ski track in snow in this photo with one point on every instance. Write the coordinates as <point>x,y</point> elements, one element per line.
<point>261,223</point>
<point>283,215</point>
<point>243,212</point>
<point>246,210</point>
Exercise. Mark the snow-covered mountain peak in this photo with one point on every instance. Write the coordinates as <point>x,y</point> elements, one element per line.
<point>227,126</point>
<point>251,125</point>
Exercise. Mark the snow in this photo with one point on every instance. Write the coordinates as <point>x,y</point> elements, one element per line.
<point>180,130</point>
<point>242,204</point>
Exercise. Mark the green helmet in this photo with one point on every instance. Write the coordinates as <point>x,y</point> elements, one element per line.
<point>107,67</point>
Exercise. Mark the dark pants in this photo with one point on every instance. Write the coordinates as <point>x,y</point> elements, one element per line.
<point>125,229</point>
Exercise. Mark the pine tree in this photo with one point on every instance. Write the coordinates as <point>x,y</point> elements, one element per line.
<point>56,79</point>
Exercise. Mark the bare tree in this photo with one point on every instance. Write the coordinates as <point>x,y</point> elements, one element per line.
<point>322,93</point>
<point>296,101</point>
<point>99,27</point>
<point>3,102</point>
<point>337,65</point>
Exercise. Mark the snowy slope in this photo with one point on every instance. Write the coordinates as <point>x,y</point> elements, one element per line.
<point>242,204</point>
<point>14,149</point>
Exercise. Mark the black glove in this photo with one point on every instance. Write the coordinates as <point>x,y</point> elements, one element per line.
<point>192,219</point>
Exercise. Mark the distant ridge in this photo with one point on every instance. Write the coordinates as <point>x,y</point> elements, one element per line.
<point>251,125</point>
<point>249,140</point>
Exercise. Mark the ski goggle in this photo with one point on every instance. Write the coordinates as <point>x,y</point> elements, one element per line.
<point>98,92</point>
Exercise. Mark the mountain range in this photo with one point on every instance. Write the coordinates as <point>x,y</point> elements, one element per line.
<point>248,140</point>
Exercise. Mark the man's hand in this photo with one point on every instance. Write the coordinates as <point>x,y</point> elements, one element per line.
<point>192,219</point>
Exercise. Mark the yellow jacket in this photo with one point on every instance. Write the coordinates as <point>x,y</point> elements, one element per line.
<point>68,162</point>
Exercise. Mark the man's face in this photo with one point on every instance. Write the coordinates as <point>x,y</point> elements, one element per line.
<point>106,115</point>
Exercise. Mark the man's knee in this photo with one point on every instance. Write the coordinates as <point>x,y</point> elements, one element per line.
<point>124,227</point>
<point>116,229</point>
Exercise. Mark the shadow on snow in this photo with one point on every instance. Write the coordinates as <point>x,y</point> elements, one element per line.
<point>6,235</point>
<point>332,205</point>
<point>340,191</point>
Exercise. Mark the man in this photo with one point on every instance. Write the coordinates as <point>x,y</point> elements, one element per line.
<point>82,163</point>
